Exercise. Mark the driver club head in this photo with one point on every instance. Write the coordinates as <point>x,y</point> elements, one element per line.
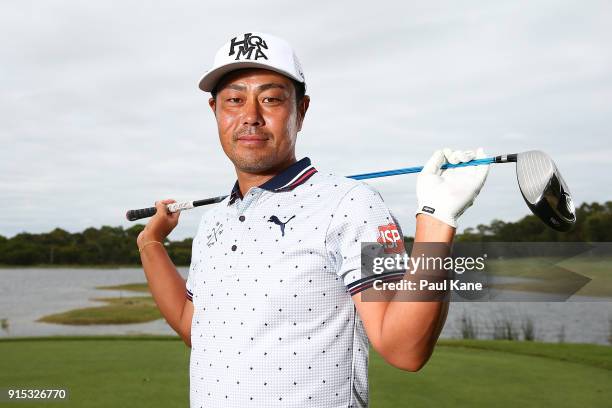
<point>544,190</point>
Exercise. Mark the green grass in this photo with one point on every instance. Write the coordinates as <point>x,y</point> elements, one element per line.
<point>134,287</point>
<point>100,372</point>
<point>585,354</point>
<point>136,309</point>
<point>124,310</point>
<point>498,374</point>
<point>598,269</point>
<point>152,371</point>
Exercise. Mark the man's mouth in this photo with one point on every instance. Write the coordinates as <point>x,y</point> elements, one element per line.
<point>252,138</point>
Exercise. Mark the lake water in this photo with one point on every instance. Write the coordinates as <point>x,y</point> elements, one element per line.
<point>30,293</point>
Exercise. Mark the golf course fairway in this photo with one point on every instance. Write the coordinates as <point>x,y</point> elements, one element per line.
<point>152,371</point>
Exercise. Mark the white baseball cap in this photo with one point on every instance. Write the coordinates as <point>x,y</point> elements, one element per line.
<point>253,50</point>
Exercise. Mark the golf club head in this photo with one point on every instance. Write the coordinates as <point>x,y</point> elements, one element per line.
<point>544,190</point>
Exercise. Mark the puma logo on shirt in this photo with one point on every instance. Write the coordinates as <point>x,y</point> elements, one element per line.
<point>281,224</point>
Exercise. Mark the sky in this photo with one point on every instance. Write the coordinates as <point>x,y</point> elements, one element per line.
<point>100,110</point>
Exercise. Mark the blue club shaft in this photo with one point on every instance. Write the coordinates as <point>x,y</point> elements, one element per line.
<point>133,215</point>
<point>417,169</point>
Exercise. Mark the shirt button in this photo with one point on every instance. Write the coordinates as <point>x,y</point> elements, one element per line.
<point>234,247</point>
<point>242,218</point>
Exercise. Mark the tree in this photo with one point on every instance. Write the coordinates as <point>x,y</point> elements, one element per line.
<point>110,245</point>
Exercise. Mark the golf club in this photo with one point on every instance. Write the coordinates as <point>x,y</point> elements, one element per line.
<point>539,180</point>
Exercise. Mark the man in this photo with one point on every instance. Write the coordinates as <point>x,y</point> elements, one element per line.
<point>274,312</point>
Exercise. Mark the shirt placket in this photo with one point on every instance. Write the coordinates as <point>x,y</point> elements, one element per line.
<point>241,235</point>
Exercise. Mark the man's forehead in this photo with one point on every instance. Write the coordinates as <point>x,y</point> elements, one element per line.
<point>253,78</point>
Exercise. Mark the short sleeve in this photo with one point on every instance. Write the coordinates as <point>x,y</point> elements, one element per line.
<point>194,267</point>
<point>189,285</point>
<point>362,217</point>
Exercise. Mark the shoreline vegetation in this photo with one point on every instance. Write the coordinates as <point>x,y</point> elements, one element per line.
<point>73,266</point>
<point>118,310</point>
<point>123,310</point>
<point>134,287</point>
<point>115,247</point>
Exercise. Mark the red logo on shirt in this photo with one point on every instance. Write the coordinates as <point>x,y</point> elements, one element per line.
<point>390,237</point>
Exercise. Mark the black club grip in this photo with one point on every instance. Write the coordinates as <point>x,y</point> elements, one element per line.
<point>134,215</point>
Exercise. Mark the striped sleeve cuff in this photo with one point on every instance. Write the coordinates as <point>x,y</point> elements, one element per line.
<point>189,295</point>
<point>365,283</point>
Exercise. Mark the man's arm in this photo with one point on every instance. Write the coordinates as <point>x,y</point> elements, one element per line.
<point>165,283</point>
<point>168,289</point>
<point>405,333</point>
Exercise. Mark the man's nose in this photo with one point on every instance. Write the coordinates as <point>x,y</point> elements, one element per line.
<point>252,113</point>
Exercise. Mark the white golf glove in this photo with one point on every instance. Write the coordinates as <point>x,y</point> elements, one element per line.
<point>446,194</point>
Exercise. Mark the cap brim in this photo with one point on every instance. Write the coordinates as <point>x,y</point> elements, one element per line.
<point>210,79</point>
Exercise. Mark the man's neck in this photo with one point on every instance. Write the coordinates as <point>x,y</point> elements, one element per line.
<point>248,180</point>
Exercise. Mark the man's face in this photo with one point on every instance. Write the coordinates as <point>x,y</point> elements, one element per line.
<point>258,119</point>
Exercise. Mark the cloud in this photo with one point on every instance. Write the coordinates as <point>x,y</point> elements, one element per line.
<point>101,112</point>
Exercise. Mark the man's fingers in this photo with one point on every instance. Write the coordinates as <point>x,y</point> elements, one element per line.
<point>434,163</point>
<point>481,172</point>
<point>458,156</point>
<point>467,155</point>
<point>162,205</point>
<point>448,155</point>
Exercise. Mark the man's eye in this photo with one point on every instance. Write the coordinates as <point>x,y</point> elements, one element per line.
<point>234,100</point>
<point>271,99</point>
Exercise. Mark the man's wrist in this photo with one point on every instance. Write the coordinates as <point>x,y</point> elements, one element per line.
<point>148,243</point>
<point>444,217</point>
<point>431,229</point>
<point>147,236</point>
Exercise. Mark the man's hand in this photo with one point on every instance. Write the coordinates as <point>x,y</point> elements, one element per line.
<point>165,283</point>
<point>446,194</point>
<point>160,225</point>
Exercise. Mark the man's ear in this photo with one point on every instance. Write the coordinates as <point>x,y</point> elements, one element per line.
<point>302,108</point>
<point>213,104</point>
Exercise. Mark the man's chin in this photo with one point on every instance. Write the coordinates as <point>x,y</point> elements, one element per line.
<point>255,162</point>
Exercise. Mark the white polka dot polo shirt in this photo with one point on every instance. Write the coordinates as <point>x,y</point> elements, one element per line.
<point>271,279</point>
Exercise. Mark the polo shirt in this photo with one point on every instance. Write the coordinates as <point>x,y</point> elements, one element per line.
<point>271,279</point>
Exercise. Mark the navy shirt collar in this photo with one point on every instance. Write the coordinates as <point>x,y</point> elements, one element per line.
<point>286,180</point>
